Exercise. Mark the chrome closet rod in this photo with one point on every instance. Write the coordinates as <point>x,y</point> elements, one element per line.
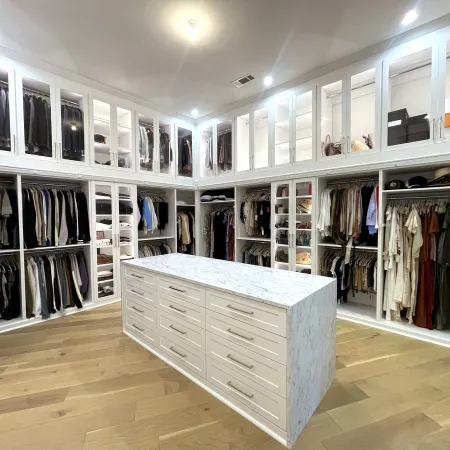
<point>352,181</point>
<point>71,103</point>
<point>4,82</point>
<point>49,184</point>
<point>35,92</point>
<point>224,131</point>
<point>420,197</point>
<point>143,124</point>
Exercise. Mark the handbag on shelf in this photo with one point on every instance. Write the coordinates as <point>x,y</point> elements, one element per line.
<point>331,148</point>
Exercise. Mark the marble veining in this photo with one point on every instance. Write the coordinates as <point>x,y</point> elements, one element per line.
<point>278,287</point>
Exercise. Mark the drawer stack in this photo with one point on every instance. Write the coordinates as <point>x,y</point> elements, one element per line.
<point>234,345</point>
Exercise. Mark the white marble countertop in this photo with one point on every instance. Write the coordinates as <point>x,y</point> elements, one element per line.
<point>274,286</point>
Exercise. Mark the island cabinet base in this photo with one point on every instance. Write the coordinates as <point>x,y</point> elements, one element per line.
<point>268,355</point>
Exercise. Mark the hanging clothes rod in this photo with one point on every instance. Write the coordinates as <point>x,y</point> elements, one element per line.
<point>49,184</point>
<point>421,197</point>
<point>143,124</point>
<point>332,183</point>
<point>70,103</point>
<point>31,91</point>
<point>4,82</point>
<point>224,132</point>
<point>62,249</point>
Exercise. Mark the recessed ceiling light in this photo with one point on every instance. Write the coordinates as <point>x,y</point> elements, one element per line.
<point>268,80</point>
<point>410,17</point>
<point>194,112</point>
<point>193,29</point>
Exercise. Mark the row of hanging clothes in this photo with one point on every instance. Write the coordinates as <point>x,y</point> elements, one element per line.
<point>185,154</point>
<point>153,212</point>
<point>5,126</point>
<point>155,249</point>
<point>146,146</point>
<point>165,149</point>
<point>256,254</point>
<point>9,216</point>
<point>54,215</point>
<point>186,232</point>
<point>355,272</point>
<point>37,123</point>
<point>55,282</point>
<point>416,258</point>
<point>224,151</point>
<point>72,128</point>
<point>348,213</point>
<point>219,233</point>
<point>10,288</point>
<point>255,213</point>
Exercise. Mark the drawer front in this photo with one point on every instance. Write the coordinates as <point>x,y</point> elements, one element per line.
<point>141,308</point>
<point>140,289</point>
<point>140,328</point>
<point>261,315</point>
<point>260,341</point>
<point>141,276</point>
<point>182,309</point>
<point>183,354</point>
<point>236,359</point>
<point>183,290</point>
<point>260,400</point>
<point>192,335</point>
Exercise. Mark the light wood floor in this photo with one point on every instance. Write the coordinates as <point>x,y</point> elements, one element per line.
<point>79,383</point>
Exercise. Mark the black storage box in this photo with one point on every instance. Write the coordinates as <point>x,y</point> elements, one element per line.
<point>397,135</point>
<point>400,114</point>
<point>418,128</point>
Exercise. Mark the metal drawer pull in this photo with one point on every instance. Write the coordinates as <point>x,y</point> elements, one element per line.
<point>137,292</point>
<point>177,309</point>
<point>177,330</point>
<point>240,310</point>
<point>136,276</point>
<point>249,366</point>
<point>175,289</point>
<point>178,353</point>
<point>240,335</point>
<point>229,383</point>
<point>138,310</point>
<point>137,328</point>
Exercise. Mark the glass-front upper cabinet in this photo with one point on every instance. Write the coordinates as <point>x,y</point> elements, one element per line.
<point>102,129</point>
<point>260,157</point>
<point>184,152</point>
<point>224,153</point>
<point>207,160</point>
<point>282,148</point>
<point>243,142</point>
<point>305,126</point>
<point>146,143</point>
<point>165,163</point>
<point>8,132</point>
<point>444,119</point>
<point>124,135</point>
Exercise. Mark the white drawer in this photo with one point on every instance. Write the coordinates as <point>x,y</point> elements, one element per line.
<point>236,359</point>
<point>260,341</point>
<point>141,308</point>
<point>142,290</point>
<point>181,308</point>
<point>260,400</point>
<point>141,328</point>
<point>184,354</point>
<point>180,328</point>
<point>183,290</point>
<point>261,315</point>
<point>141,276</point>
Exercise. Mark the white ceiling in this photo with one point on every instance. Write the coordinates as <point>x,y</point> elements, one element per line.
<point>142,46</point>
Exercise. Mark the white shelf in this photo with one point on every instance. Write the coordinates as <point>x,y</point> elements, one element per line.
<point>104,246</point>
<point>257,239</point>
<point>281,263</point>
<point>303,266</point>
<point>303,196</point>
<point>281,228</point>
<point>281,198</point>
<point>218,202</point>
<point>303,229</point>
<point>304,247</point>
<point>43,249</point>
<point>125,244</point>
<point>106,148</point>
<point>367,248</point>
<point>104,265</point>
<point>126,258</point>
<point>181,206</point>
<point>125,215</point>
<point>155,238</point>
<point>12,250</point>
<point>281,245</point>
<point>411,191</point>
<point>110,280</point>
<point>282,214</point>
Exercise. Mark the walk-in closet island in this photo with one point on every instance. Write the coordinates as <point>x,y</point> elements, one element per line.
<point>261,340</point>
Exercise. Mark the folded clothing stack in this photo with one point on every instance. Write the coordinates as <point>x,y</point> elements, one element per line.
<point>104,259</point>
<point>102,226</point>
<point>105,275</point>
<point>217,196</point>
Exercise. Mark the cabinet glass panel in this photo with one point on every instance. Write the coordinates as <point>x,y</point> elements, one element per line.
<point>146,143</point>
<point>165,147</point>
<point>224,147</point>
<point>102,133</point>
<point>106,254</point>
<point>184,152</point>
<point>282,133</point>
<point>126,222</point>
<point>446,118</point>
<point>409,98</point>
<point>261,144</point>
<point>303,126</point>
<point>331,119</point>
<point>206,152</point>
<point>362,111</point>
<point>282,257</point>
<point>243,142</point>
<point>72,126</point>
<point>124,138</point>
<point>303,211</point>
<point>37,115</point>
<point>5,130</point>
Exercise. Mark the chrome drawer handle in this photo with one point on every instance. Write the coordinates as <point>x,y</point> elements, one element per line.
<point>138,310</point>
<point>136,276</point>
<point>178,309</point>
<point>137,328</point>
<point>249,366</point>
<point>137,292</point>
<point>177,330</point>
<point>240,310</point>
<point>176,289</point>
<point>240,335</point>
<point>229,383</point>
<point>178,353</point>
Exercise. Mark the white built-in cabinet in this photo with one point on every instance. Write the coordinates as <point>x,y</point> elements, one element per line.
<point>8,87</point>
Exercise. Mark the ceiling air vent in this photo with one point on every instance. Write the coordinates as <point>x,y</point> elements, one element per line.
<point>243,80</point>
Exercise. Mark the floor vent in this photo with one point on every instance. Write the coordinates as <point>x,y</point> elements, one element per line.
<point>243,80</point>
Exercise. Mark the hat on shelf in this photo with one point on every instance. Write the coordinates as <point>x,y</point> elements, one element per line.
<point>395,184</point>
<point>416,182</point>
<point>99,139</point>
<point>305,206</point>
<point>441,177</point>
<point>359,146</point>
<point>303,258</point>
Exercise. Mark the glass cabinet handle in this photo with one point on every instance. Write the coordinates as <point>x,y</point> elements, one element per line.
<point>348,144</point>
<point>441,128</point>
<point>14,143</point>
<point>433,128</point>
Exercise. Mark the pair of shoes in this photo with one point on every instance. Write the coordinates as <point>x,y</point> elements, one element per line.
<point>283,224</point>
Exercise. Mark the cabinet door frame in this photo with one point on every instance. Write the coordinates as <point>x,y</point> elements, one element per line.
<point>172,166</point>
<point>272,130</point>
<point>137,113</point>
<point>191,128</point>
<point>9,67</point>
<point>409,48</point>
<point>442,37</point>
<point>201,159</point>
<point>91,147</point>
<point>238,113</point>
<point>115,136</point>
<point>265,104</point>
<point>217,122</point>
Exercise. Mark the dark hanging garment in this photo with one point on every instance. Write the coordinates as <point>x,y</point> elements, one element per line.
<point>29,220</point>
<point>83,273</point>
<point>83,218</point>
<point>163,216</point>
<point>49,285</point>
<point>69,219</point>
<point>56,291</point>
<point>140,207</point>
